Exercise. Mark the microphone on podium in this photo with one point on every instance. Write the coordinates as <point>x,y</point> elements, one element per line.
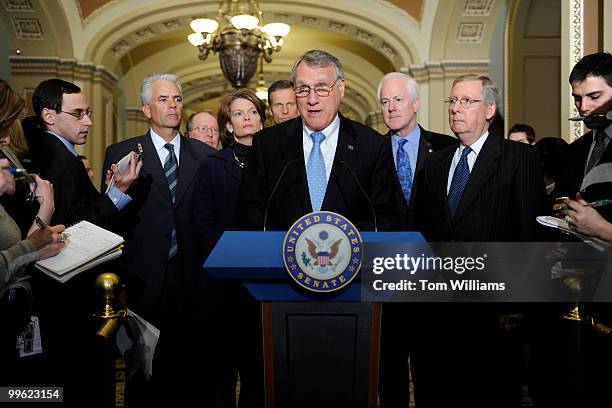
<point>280,178</point>
<point>352,173</point>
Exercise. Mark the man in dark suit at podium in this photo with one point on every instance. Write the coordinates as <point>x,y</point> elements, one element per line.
<point>306,164</point>
<point>411,146</point>
<point>487,189</point>
<point>160,248</point>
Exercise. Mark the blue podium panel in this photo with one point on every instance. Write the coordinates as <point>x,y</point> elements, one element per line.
<point>256,258</point>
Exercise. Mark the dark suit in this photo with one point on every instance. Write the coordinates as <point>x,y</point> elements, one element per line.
<point>238,322</point>
<point>362,149</point>
<point>570,177</point>
<point>477,365</point>
<point>567,355</point>
<point>396,339</point>
<point>159,289</point>
<point>430,142</point>
<point>76,198</point>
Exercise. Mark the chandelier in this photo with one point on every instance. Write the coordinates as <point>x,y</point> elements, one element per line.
<point>240,37</point>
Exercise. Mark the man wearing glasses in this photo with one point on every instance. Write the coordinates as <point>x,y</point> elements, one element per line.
<point>204,127</point>
<point>310,159</point>
<point>63,119</point>
<point>487,189</point>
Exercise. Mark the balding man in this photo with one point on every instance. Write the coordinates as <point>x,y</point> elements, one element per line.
<point>487,189</point>
<point>204,127</point>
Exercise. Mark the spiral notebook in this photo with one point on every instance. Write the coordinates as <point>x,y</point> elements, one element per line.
<point>87,245</point>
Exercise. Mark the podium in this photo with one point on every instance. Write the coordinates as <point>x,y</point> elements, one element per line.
<point>319,351</point>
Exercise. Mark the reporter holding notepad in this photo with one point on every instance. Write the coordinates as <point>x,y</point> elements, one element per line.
<point>17,254</point>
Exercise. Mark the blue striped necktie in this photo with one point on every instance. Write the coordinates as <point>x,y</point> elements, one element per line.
<point>404,170</point>
<point>460,179</point>
<point>315,172</point>
<point>171,171</point>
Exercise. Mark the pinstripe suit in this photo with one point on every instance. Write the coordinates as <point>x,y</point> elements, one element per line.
<point>503,196</point>
<point>476,364</point>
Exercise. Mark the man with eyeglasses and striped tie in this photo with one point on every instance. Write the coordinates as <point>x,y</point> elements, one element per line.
<point>160,247</point>
<point>487,189</point>
<point>315,154</point>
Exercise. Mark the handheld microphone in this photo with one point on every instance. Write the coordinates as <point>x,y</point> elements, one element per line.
<point>346,166</point>
<point>265,218</point>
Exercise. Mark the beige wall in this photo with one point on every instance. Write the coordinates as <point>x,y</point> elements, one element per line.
<point>534,66</point>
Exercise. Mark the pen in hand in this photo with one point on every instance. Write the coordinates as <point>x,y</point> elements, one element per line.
<point>41,224</point>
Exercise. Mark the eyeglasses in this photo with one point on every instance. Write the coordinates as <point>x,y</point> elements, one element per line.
<point>465,102</point>
<point>80,113</point>
<point>205,129</point>
<point>320,90</point>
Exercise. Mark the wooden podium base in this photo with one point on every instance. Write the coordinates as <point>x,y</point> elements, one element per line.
<point>321,354</point>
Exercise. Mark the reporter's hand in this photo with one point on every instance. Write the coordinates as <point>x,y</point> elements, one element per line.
<point>584,219</point>
<point>7,181</point>
<point>44,194</point>
<point>48,241</point>
<point>124,181</point>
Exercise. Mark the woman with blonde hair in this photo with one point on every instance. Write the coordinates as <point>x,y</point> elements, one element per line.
<point>17,254</point>
<point>241,115</point>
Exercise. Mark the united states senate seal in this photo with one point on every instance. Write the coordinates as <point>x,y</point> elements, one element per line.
<point>323,251</point>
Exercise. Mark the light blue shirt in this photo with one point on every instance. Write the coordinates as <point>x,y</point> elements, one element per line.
<point>411,147</point>
<point>117,197</point>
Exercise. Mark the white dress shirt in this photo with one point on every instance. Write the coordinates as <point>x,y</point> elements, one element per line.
<point>471,157</point>
<point>328,146</point>
<point>162,152</point>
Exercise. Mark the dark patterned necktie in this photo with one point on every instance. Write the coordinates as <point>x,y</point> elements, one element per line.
<point>598,149</point>
<point>404,170</point>
<point>460,179</point>
<point>171,171</point>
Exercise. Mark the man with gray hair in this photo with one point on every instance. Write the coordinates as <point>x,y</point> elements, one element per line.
<point>315,154</point>
<point>160,247</point>
<point>488,189</point>
<point>411,146</point>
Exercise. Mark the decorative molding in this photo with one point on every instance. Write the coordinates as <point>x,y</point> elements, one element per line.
<point>338,27</point>
<point>470,33</point>
<point>447,69</point>
<point>120,49</point>
<point>18,5</point>
<point>135,114</point>
<point>311,21</point>
<point>62,67</point>
<point>577,44</point>
<point>27,29</point>
<point>172,25</point>
<point>478,8</point>
<point>144,34</point>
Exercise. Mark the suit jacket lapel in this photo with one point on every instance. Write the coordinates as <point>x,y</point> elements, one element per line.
<point>443,167</point>
<point>151,165</point>
<point>347,145</point>
<point>294,150</point>
<point>188,166</point>
<point>484,168</point>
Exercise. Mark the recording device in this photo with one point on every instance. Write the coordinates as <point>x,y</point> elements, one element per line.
<point>282,175</point>
<point>595,116</point>
<point>346,166</point>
